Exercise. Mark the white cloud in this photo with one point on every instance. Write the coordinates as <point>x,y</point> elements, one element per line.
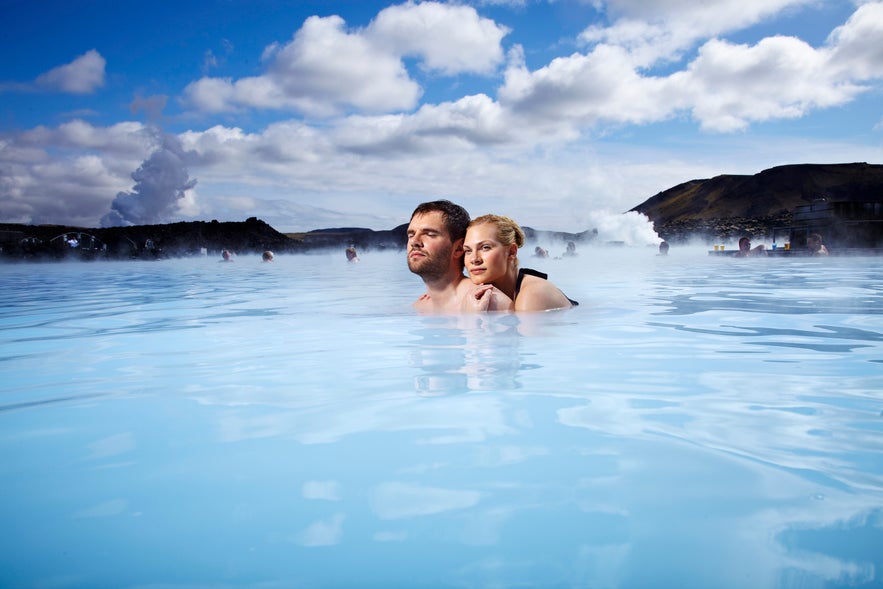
<point>654,30</point>
<point>74,190</point>
<point>326,70</point>
<point>780,77</point>
<point>857,51</point>
<point>70,173</point>
<point>464,124</point>
<point>586,89</point>
<point>726,87</point>
<point>321,72</point>
<point>126,138</point>
<point>83,75</point>
<point>449,38</point>
<point>211,95</point>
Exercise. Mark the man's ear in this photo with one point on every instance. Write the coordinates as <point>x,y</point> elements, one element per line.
<point>458,248</point>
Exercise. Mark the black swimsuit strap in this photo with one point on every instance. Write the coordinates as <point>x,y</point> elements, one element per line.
<point>522,272</point>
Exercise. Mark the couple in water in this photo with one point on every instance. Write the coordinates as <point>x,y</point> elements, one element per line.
<point>442,240</point>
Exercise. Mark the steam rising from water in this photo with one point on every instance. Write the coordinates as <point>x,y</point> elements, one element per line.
<point>160,182</point>
<point>628,228</point>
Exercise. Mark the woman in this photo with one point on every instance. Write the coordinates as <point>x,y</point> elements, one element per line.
<point>491,259</point>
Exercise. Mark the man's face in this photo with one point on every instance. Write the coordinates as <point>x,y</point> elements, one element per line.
<point>429,245</point>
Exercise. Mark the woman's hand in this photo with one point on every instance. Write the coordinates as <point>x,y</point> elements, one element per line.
<point>486,297</point>
<point>477,299</point>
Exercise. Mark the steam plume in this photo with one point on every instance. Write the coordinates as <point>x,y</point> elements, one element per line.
<point>160,183</point>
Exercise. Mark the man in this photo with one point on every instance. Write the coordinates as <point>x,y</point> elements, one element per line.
<point>746,250</point>
<point>815,246</point>
<point>435,253</point>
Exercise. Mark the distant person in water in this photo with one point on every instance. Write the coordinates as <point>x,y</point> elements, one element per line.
<point>351,255</point>
<point>435,254</point>
<point>539,252</point>
<point>491,256</point>
<point>267,256</point>
<point>815,246</point>
<point>570,252</point>
<point>745,249</point>
<point>226,256</point>
<point>663,248</point>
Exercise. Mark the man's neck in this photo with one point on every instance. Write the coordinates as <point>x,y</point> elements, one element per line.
<point>442,293</point>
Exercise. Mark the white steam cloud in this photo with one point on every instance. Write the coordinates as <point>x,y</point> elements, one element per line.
<point>160,183</point>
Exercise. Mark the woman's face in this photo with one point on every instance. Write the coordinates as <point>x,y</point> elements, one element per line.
<point>487,260</point>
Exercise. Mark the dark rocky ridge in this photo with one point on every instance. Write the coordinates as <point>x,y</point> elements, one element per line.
<point>172,239</point>
<point>729,206</point>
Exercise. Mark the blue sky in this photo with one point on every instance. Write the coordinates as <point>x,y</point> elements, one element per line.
<point>560,113</point>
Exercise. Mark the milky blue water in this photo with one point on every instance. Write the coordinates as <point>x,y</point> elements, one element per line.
<point>695,422</point>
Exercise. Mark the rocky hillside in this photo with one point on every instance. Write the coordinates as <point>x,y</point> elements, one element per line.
<point>172,239</point>
<point>730,205</point>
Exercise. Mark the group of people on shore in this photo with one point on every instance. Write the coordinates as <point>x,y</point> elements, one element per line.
<point>814,247</point>
<point>443,241</point>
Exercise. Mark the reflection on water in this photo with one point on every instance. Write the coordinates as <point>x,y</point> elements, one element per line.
<point>808,337</point>
<point>466,353</point>
<point>696,422</point>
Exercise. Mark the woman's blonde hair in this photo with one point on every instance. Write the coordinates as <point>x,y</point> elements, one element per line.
<point>508,231</point>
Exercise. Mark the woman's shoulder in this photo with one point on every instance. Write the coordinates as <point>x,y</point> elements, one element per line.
<point>538,294</point>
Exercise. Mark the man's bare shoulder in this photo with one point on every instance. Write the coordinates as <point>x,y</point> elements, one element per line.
<point>424,303</point>
<point>445,301</point>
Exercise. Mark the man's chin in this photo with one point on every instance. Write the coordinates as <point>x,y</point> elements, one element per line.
<point>425,271</point>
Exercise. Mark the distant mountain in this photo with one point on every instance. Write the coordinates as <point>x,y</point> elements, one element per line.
<point>727,205</point>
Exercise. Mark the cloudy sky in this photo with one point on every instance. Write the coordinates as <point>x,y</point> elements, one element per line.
<point>323,113</point>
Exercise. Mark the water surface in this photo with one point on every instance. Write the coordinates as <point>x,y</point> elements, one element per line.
<point>695,422</point>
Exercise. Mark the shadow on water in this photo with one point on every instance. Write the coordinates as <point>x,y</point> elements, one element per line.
<point>52,401</point>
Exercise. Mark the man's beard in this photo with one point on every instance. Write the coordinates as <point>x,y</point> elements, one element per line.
<point>432,266</point>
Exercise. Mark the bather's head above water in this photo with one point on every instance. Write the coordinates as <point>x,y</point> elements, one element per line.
<point>435,253</point>
<point>490,251</point>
